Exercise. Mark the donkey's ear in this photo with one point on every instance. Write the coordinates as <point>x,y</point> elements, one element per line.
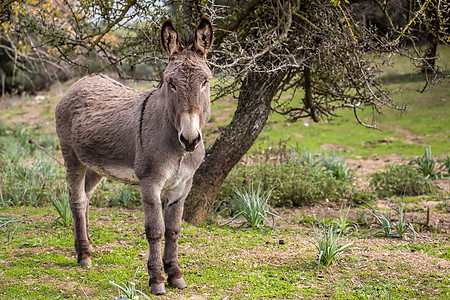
<point>204,36</point>
<point>169,38</point>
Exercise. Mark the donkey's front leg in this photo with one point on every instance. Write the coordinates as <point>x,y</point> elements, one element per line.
<point>172,216</point>
<point>154,230</point>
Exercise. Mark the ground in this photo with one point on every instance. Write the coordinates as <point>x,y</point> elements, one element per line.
<point>219,262</point>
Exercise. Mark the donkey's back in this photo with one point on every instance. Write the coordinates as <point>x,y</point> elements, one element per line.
<point>96,123</point>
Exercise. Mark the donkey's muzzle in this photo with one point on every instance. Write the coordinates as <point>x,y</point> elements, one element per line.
<point>190,144</point>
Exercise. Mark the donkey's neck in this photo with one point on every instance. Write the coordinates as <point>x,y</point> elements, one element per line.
<point>155,126</point>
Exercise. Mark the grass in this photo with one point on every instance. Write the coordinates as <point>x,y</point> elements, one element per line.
<point>217,262</point>
<point>425,122</point>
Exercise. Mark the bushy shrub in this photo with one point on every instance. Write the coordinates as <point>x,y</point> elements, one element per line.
<point>401,180</point>
<point>293,182</point>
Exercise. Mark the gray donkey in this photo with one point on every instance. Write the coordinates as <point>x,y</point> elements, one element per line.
<point>151,138</point>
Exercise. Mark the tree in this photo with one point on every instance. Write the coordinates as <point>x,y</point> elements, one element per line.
<point>415,23</point>
<point>54,37</point>
<point>268,47</point>
<point>266,53</point>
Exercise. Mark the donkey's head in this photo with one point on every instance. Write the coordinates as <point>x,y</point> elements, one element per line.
<point>186,81</point>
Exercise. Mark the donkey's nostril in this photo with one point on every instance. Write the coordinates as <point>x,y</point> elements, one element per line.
<point>198,139</point>
<point>190,145</point>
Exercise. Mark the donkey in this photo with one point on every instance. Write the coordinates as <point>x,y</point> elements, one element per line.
<point>152,138</point>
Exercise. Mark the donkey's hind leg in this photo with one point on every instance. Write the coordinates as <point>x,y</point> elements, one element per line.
<point>91,180</point>
<point>78,205</point>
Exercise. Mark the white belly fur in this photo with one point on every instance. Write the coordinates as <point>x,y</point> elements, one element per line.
<point>119,173</point>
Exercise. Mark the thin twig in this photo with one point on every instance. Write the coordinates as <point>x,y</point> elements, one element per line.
<point>45,150</point>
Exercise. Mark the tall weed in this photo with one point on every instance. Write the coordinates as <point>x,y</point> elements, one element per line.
<point>63,209</point>
<point>427,165</point>
<point>336,166</point>
<point>252,207</point>
<point>329,244</point>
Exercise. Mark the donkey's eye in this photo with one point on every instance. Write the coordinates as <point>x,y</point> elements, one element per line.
<point>204,85</point>
<point>172,86</point>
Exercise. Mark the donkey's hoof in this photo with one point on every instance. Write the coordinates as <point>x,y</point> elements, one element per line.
<point>178,283</point>
<point>86,263</point>
<point>158,288</point>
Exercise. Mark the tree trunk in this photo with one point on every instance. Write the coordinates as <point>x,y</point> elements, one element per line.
<point>251,115</point>
<point>432,13</point>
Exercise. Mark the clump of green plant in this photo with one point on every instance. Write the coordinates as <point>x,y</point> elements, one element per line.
<point>336,166</point>
<point>251,207</point>
<point>25,183</point>
<point>295,177</point>
<point>2,128</point>
<point>390,228</point>
<point>343,224</point>
<point>129,289</point>
<point>63,209</point>
<point>384,221</point>
<point>9,225</point>
<point>307,158</point>
<point>126,196</point>
<point>401,180</point>
<point>329,244</point>
<point>445,165</point>
<point>292,184</point>
<point>427,165</point>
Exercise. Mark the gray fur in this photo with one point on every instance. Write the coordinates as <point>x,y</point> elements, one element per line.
<point>109,130</point>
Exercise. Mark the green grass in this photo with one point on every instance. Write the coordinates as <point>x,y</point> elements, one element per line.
<point>425,123</point>
<point>40,262</point>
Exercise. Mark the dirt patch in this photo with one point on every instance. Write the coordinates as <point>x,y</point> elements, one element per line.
<point>364,167</point>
